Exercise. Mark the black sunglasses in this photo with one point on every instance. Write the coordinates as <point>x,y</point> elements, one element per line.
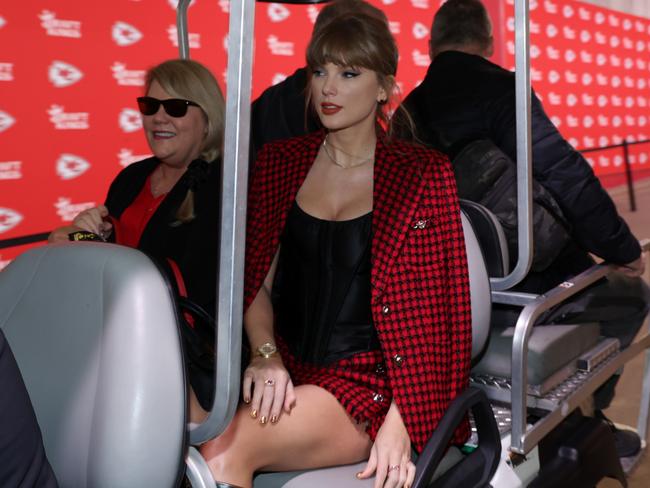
<point>175,107</point>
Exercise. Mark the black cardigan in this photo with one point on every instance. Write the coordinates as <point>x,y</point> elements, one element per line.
<point>194,246</point>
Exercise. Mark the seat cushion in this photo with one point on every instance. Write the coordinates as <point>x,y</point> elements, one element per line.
<point>93,329</point>
<point>550,348</point>
<point>339,476</point>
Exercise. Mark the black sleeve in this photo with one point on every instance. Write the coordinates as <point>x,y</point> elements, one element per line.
<point>127,185</point>
<point>279,112</point>
<point>565,173</point>
<point>22,455</point>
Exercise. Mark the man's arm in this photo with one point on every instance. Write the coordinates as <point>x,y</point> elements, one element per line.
<point>566,174</point>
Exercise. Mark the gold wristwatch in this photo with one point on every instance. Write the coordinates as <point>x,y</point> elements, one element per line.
<point>267,350</point>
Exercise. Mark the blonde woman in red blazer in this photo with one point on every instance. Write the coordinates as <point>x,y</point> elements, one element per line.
<point>379,402</point>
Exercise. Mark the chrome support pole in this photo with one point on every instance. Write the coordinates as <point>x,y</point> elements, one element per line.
<point>523,331</point>
<point>643,419</point>
<point>233,223</point>
<point>644,408</point>
<point>181,29</point>
<point>524,151</point>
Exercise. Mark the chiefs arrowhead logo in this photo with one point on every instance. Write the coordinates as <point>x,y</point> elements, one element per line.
<point>125,34</point>
<point>9,219</point>
<point>63,74</point>
<point>6,121</point>
<point>277,12</point>
<point>69,166</point>
<point>130,120</point>
<point>420,31</point>
<point>278,78</point>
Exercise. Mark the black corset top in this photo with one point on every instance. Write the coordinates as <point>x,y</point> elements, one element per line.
<point>321,292</point>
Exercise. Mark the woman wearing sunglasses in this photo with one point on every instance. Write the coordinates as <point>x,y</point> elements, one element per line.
<point>167,205</point>
<point>356,287</point>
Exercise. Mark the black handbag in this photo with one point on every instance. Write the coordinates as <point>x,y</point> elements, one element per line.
<point>197,329</point>
<point>485,175</point>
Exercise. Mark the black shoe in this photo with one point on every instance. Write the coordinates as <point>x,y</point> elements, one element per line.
<point>626,442</point>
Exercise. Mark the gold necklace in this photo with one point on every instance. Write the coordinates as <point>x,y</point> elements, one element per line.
<point>360,163</point>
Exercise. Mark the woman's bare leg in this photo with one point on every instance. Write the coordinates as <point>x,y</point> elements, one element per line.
<point>318,432</point>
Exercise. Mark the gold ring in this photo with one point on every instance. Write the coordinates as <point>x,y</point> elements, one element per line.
<point>394,467</point>
<point>269,382</point>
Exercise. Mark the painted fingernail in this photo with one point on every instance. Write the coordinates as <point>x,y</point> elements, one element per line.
<point>263,419</point>
<point>247,400</point>
<point>254,413</point>
<point>274,419</point>
<point>358,475</point>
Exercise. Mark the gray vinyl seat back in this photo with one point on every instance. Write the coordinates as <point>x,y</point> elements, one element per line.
<point>94,331</point>
<point>343,476</point>
<point>552,349</point>
<point>479,285</point>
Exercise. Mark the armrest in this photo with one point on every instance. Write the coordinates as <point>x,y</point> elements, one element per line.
<point>477,468</point>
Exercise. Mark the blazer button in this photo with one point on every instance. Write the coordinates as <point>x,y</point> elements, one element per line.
<point>378,397</point>
<point>399,360</point>
<point>420,224</point>
<point>385,309</point>
<point>380,368</point>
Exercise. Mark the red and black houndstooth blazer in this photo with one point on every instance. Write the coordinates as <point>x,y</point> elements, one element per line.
<point>420,287</point>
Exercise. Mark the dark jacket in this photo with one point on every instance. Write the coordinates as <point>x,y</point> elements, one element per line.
<point>23,461</point>
<point>465,97</point>
<point>420,288</point>
<point>193,245</point>
<point>279,112</point>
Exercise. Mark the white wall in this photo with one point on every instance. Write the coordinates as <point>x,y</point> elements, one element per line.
<point>636,7</point>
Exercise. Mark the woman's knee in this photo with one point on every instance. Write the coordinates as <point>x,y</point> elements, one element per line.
<point>235,446</point>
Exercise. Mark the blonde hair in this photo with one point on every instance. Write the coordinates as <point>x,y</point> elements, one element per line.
<point>189,80</point>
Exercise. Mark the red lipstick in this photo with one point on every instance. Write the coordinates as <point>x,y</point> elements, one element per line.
<point>329,108</point>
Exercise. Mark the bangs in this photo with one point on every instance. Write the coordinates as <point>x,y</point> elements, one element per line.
<point>343,42</point>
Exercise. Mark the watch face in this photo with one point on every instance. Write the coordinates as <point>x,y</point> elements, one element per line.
<point>266,349</point>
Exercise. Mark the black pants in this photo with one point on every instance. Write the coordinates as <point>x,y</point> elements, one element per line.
<point>618,304</point>
<point>22,456</point>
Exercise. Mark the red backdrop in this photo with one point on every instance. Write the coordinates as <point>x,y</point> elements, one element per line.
<point>591,68</point>
<point>70,71</point>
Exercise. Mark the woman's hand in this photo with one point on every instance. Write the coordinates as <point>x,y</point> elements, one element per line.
<point>61,234</point>
<point>92,220</point>
<point>268,389</point>
<point>390,456</point>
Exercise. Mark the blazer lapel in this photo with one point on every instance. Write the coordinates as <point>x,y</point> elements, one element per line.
<point>396,194</point>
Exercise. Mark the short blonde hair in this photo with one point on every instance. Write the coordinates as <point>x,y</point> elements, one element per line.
<point>189,80</point>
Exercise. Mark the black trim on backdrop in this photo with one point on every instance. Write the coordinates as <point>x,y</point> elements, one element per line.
<point>629,180</point>
<point>22,240</point>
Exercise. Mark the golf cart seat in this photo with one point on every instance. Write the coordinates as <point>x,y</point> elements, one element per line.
<point>94,332</point>
<point>555,351</point>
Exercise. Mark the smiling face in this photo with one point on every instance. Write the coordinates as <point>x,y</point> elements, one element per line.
<point>345,97</point>
<point>176,141</point>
